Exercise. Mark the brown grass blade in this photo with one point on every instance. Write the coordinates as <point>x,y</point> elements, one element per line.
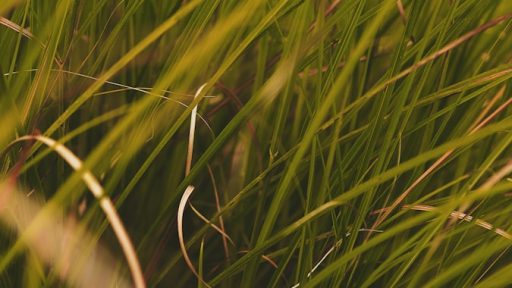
<point>183,246</point>
<point>104,201</point>
<point>438,162</point>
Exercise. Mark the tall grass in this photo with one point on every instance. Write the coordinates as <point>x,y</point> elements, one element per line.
<point>276,143</point>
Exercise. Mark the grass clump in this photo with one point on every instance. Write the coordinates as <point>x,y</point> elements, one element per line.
<point>277,143</point>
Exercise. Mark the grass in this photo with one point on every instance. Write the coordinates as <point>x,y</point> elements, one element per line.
<point>276,143</point>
